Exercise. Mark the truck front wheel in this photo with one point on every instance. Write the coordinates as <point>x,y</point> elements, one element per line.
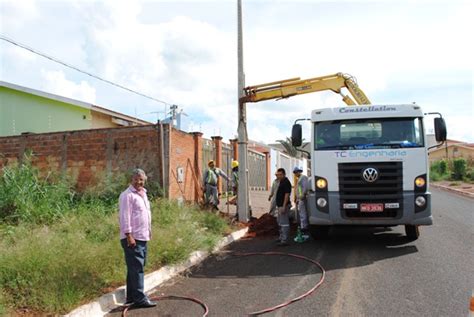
<point>319,232</point>
<point>412,232</point>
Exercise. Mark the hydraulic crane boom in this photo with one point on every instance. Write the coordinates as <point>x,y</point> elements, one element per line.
<point>295,86</point>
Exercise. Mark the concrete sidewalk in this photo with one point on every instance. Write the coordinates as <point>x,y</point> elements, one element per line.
<point>258,201</point>
<point>458,187</point>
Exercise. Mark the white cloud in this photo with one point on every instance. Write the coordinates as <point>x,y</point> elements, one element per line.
<point>183,61</point>
<point>460,128</point>
<point>55,82</point>
<point>14,13</point>
<point>402,51</point>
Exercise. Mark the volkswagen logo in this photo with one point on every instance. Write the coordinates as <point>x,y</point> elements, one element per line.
<point>370,175</point>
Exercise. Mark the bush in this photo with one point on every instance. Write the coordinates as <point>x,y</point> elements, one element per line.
<point>109,186</point>
<point>3,309</point>
<point>459,169</point>
<point>26,197</point>
<point>434,176</point>
<point>440,167</point>
<point>470,175</point>
<point>443,167</point>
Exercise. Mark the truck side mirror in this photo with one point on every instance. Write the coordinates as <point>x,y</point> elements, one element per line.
<point>440,129</point>
<point>296,135</point>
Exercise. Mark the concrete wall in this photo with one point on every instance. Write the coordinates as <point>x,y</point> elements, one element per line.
<point>22,112</point>
<point>454,151</point>
<point>100,120</point>
<point>280,159</point>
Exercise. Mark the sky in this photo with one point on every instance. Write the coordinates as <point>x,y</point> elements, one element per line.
<point>185,53</point>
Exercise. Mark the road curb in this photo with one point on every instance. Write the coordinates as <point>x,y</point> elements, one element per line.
<point>111,300</point>
<point>453,190</point>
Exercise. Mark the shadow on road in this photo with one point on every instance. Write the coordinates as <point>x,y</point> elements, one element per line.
<point>223,278</point>
<point>345,248</point>
<point>359,246</point>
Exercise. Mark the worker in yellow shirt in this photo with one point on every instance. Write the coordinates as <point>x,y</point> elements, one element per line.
<point>302,187</point>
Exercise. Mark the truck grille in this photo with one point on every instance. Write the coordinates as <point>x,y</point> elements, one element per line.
<point>388,188</point>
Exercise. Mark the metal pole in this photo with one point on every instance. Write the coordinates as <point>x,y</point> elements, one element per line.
<point>243,192</point>
<point>446,150</point>
<point>229,173</point>
<point>162,154</point>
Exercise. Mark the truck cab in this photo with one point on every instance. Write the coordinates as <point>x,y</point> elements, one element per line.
<point>369,167</point>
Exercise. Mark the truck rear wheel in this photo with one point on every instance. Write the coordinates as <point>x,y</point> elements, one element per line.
<point>412,232</point>
<point>319,232</point>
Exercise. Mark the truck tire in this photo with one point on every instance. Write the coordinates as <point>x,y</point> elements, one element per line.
<point>412,232</point>
<point>319,232</point>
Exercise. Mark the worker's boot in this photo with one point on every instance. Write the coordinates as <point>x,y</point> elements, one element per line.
<point>283,244</point>
<point>305,234</point>
<point>299,236</point>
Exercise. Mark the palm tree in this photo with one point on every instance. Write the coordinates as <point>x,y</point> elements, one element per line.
<point>289,148</point>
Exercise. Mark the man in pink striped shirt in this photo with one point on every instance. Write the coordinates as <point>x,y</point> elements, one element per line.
<point>135,231</point>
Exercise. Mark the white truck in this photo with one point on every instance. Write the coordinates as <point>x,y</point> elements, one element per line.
<point>368,162</point>
<point>369,166</point>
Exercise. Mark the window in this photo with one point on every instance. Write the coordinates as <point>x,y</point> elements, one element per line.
<point>369,133</point>
<point>361,130</point>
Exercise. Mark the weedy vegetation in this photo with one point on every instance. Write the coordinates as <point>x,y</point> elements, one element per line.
<point>60,248</point>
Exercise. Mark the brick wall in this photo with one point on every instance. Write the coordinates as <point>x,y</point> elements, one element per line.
<point>88,154</point>
<point>182,161</point>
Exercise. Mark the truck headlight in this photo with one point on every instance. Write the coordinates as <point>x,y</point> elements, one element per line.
<point>420,184</point>
<point>321,202</point>
<point>420,201</point>
<point>420,181</point>
<point>321,183</point>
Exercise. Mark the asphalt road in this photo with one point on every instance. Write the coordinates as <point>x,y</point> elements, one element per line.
<point>370,272</point>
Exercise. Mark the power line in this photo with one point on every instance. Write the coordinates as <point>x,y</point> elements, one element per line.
<point>23,46</point>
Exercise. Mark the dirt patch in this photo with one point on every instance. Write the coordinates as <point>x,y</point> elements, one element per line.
<point>266,225</point>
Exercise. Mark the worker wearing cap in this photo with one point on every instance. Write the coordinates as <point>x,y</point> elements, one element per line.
<point>235,176</point>
<point>235,182</point>
<point>210,179</point>
<point>301,193</point>
<point>235,188</point>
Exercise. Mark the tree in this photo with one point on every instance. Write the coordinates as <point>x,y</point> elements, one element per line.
<point>289,148</point>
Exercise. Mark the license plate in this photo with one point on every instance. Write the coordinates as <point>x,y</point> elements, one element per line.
<point>371,207</point>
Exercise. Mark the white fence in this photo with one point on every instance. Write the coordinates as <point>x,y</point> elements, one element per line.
<point>279,159</point>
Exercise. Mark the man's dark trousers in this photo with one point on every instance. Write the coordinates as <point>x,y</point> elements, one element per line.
<point>135,258</point>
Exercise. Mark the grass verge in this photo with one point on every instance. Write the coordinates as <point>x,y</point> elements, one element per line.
<point>54,268</point>
<point>52,264</point>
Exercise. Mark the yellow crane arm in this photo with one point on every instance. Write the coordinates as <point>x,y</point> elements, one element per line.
<point>295,86</point>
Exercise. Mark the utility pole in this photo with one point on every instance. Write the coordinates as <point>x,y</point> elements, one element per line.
<point>243,191</point>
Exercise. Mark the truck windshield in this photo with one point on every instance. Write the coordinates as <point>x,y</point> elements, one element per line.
<point>374,133</point>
